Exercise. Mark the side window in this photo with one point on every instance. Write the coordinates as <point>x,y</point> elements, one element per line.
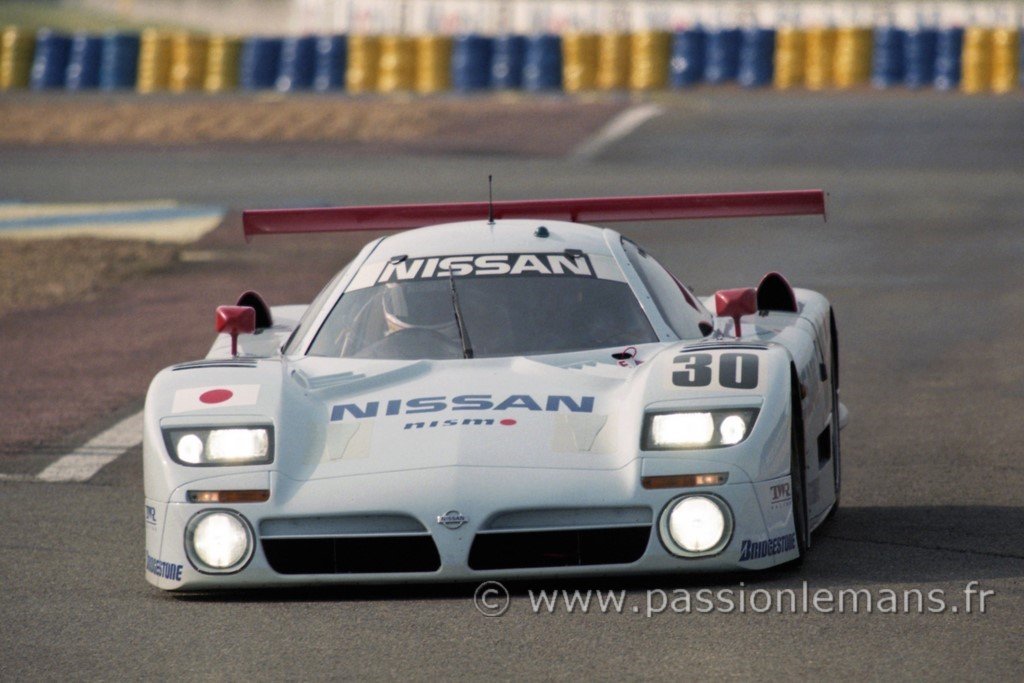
<point>306,321</point>
<point>677,306</point>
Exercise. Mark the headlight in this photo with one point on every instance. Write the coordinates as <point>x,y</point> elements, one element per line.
<point>223,446</point>
<point>218,541</point>
<point>697,429</point>
<point>695,525</point>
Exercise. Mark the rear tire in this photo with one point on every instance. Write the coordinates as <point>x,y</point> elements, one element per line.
<point>834,377</point>
<point>798,482</point>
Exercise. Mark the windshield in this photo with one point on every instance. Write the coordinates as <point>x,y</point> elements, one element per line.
<point>502,316</point>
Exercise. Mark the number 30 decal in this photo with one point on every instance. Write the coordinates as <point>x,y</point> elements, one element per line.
<point>735,370</point>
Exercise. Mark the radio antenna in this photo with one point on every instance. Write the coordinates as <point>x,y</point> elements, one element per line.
<point>490,200</point>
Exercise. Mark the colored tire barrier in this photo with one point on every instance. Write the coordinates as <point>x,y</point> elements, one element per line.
<point>471,57</point>
<point>723,56</point>
<point>298,64</point>
<point>579,62</point>
<point>757,47</point>
<point>434,65</point>
<point>923,50</point>
<point>363,61</point>
<point>1005,60</point>
<point>649,57</point>
<point>83,71</point>
<point>260,63</point>
<point>397,64</point>
<point>612,61</point>
<point>852,65</point>
<point>50,63</point>
<point>507,59</point>
<point>119,65</point>
<point>223,60</point>
<point>976,76</point>
<point>331,62</point>
<point>949,43</point>
<point>887,58</point>
<point>542,63</point>
<point>821,43</point>
<point>790,58</point>
<point>16,50</point>
<point>154,62</point>
<point>188,62</point>
<point>919,58</point>
<point>686,65</point>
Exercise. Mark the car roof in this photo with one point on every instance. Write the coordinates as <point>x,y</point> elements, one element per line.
<point>502,236</point>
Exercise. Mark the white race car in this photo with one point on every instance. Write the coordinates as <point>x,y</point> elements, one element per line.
<point>514,396</point>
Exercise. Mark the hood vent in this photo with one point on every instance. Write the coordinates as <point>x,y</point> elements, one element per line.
<point>215,363</point>
<point>724,345</point>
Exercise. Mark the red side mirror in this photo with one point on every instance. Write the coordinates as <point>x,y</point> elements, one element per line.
<point>236,320</point>
<point>736,303</point>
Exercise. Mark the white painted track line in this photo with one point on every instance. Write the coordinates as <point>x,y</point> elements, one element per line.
<point>85,461</point>
<point>616,129</point>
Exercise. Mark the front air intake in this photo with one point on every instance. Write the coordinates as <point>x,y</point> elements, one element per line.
<point>352,555</point>
<point>560,548</point>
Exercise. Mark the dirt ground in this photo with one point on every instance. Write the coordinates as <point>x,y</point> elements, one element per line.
<point>36,274</point>
<point>498,123</point>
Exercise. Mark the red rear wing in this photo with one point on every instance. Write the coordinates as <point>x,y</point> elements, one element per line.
<point>588,210</point>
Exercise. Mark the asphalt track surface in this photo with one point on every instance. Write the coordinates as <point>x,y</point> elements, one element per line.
<point>923,257</point>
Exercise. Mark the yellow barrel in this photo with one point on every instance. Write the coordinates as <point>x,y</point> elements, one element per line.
<point>1005,60</point>
<point>433,64</point>
<point>852,62</point>
<point>154,61</point>
<point>188,62</point>
<point>579,61</point>
<point>17,48</point>
<point>790,58</point>
<point>397,64</point>
<point>821,45</point>
<point>648,56</point>
<point>222,61</point>
<point>363,63</point>
<point>612,61</point>
<point>976,60</point>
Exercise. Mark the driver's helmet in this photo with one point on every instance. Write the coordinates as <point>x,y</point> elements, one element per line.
<point>418,305</point>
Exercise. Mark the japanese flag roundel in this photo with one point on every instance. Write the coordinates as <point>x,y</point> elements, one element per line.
<point>226,396</point>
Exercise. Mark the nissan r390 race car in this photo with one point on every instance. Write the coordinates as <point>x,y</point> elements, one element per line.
<point>508,393</point>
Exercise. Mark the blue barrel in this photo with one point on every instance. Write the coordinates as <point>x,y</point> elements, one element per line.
<point>507,56</point>
<point>119,65</point>
<point>686,63</point>
<point>50,63</point>
<point>260,62</point>
<point>723,55</point>
<point>887,57</point>
<point>83,71</point>
<point>949,42</point>
<point>757,57</point>
<point>542,63</point>
<point>331,63</point>
<point>919,57</point>
<point>298,64</point>
<point>471,62</point>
